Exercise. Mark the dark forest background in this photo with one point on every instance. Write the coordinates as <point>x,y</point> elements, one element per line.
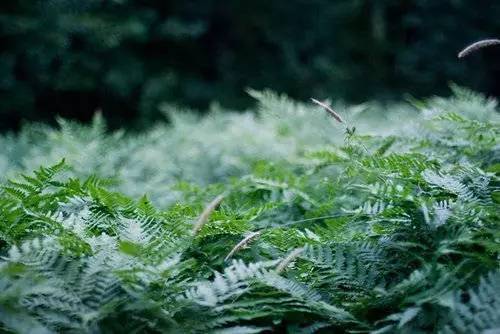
<point>126,57</point>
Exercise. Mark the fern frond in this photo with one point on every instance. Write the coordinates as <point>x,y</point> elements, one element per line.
<point>234,281</point>
<point>476,310</point>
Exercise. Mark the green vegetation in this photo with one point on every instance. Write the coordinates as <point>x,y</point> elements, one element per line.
<point>126,57</point>
<point>388,222</point>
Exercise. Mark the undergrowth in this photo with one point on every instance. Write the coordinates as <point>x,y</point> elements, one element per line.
<point>387,223</point>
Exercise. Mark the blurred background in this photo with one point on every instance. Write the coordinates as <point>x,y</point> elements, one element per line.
<point>127,57</point>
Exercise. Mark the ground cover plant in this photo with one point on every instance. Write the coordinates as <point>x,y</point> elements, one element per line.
<point>385,220</point>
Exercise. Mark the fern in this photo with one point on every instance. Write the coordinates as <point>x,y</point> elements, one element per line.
<point>476,310</point>
<point>232,282</point>
<point>384,228</point>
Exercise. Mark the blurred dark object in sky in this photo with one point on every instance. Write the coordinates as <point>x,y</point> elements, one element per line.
<point>71,57</point>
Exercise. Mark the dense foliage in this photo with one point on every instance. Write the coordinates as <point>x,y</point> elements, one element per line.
<point>280,220</point>
<point>71,57</point>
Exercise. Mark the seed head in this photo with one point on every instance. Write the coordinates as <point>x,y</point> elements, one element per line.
<point>478,45</point>
<point>206,213</point>
<point>288,259</point>
<point>245,241</point>
<point>329,110</point>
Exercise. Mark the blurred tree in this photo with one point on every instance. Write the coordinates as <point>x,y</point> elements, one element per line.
<point>71,57</point>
